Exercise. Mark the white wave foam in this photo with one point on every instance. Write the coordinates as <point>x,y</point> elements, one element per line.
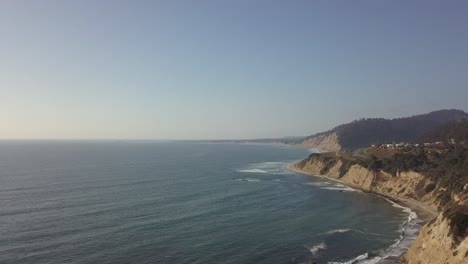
<point>249,180</point>
<point>269,167</point>
<point>344,230</point>
<point>374,260</point>
<point>408,232</point>
<point>252,171</point>
<point>337,231</point>
<point>318,184</point>
<point>361,259</point>
<point>354,260</point>
<point>331,186</point>
<point>269,163</point>
<point>317,247</point>
<point>411,215</point>
<point>339,188</point>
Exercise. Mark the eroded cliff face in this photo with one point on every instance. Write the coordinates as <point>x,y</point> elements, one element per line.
<point>328,142</point>
<point>406,184</point>
<point>441,240</point>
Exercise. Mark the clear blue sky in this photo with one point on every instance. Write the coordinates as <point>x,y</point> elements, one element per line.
<point>224,69</point>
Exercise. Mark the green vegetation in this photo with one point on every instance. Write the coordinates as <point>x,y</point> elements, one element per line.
<point>458,216</point>
<point>447,168</point>
<point>367,131</point>
<point>347,164</point>
<point>458,131</point>
<point>328,164</point>
<point>328,159</point>
<point>429,188</point>
<point>397,162</point>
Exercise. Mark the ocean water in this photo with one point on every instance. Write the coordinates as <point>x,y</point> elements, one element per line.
<point>170,202</point>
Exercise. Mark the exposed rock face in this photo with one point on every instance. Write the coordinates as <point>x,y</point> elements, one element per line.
<point>326,142</point>
<point>406,184</point>
<point>334,172</point>
<point>360,177</point>
<point>443,240</point>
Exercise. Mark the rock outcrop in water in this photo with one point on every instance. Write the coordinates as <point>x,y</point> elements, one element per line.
<point>442,240</point>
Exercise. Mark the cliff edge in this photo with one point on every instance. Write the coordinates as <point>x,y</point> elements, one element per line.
<point>444,238</point>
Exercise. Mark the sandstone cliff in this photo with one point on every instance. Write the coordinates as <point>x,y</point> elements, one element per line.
<point>410,185</point>
<point>325,142</point>
<point>442,240</point>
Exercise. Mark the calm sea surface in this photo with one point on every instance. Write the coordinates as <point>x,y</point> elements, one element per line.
<point>168,202</point>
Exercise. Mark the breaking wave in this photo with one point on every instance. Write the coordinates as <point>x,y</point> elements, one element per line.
<point>331,186</point>
<point>357,259</point>
<point>345,230</point>
<point>337,231</point>
<point>408,231</point>
<point>317,247</point>
<point>252,171</point>
<point>361,259</point>
<point>270,167</point>
<point>339,188</point>
<point>249,180</point>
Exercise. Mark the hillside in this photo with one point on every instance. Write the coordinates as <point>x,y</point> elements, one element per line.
<point>365,132</point>
<point>455,130</point>
<point>436,180</point>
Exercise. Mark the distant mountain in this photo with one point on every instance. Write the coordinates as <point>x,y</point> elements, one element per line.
<point>365,132</point>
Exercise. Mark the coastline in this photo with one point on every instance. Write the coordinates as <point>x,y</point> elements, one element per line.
<point>423,212</point>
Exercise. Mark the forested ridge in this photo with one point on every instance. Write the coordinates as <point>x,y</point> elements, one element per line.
<point>367,131</point>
